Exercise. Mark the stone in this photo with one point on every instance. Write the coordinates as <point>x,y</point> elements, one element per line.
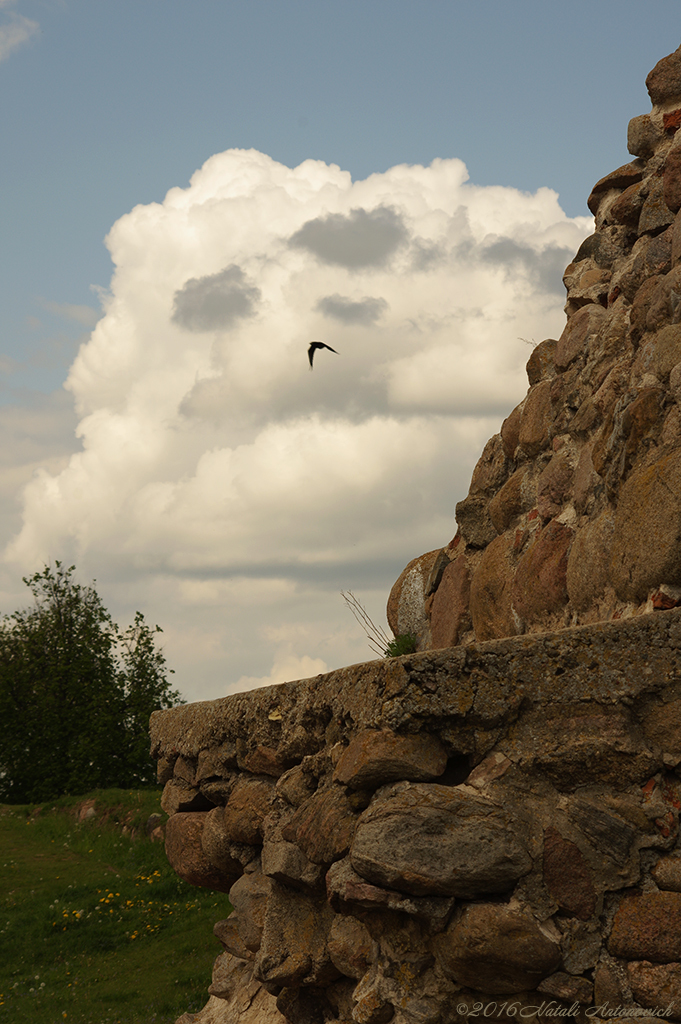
<point>349,945</point>
<point>657,986</point>
<point>246,809</point>
<point>406,603</point>
<point>227,933</point>
<point>345,888</point>
<point>216,844</point>
<point>249,896</point>
<point>568,988</point>
<point>430,840</point>
<point>588,564</point>
<point>662,726</point>
<point>608,833</point>
<point>474,522</point>
<point>607,986</point>
<point>186,856</point>
<point>648,927</point>
<point>178,797</point>
<point>554,485</point>
<point>667,350</point>
<point>580,332</point>
<point>263,760</point>
<point>490,600</point>
<point>216,761</point>
<point>510,428</point>
<point>655,214</point>
<point>507,503</point>
<point>667,873</point>
<point>377,756</point>
<point>643,136</point>
<point>449,616</point>
<point>540,583</point>
<point>672,180</point>
<point>535,419</point>
<point>295,786</point>
<point>491,468</point>
<point>323,826</point>
<point>626,209</point>
<point>622,178</point>
<point>646,545</point>
<point>496,949</point>
<point>664,81</point>
<point>567,875</point>
<point>293,950</point>
<point>286,863</point>
<point>541,364</point>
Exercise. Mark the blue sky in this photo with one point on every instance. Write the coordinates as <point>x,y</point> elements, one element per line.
<point>105,106</point>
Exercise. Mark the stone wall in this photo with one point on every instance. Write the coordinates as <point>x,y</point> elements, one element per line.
<point>489,829</point>
<point>405,839</point>
<point>574,509</point>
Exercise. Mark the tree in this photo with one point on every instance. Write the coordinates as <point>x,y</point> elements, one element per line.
<point>75,693</point>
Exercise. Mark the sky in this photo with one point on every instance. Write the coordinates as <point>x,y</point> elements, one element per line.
<point>192,193</point>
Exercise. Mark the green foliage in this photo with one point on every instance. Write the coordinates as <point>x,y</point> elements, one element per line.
<point>95,927</point>
<point>405,643</point>
<point>75,693</point>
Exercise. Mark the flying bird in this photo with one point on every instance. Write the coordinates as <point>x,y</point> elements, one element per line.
<point>315,345</point>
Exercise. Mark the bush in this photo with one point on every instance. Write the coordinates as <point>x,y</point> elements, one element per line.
<point>75,694</point>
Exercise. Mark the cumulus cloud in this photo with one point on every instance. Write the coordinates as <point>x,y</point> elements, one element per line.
<point>211,457</point>
<point>216,301</point>
<point>352,311</point>
<point>15,30</point>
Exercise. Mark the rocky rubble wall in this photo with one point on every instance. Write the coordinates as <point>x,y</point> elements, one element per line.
<point>574,509</point>
<point>489,830</point>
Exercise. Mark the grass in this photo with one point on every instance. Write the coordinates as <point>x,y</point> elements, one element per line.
<point>95,927</point>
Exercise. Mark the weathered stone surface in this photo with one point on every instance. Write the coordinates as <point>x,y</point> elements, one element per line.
<point>216,844</point>
<point>662,726</point>
<point>247,807</point>
<point>540,583</point>
<point>541,365</point>
<point>497,950</point>
<point>249,896</point>
<point>490,601</point>
<point>664,81</point>
<point>473,520</point>
<point>426,839</point>
<point>227,933</point>
<point>643,136</point>
<point>406,604</point>
<point>648,927</point>
<point>608,833</point>
<point>535,419</point>
<point>567,876</point>
<point>667,873</point>
<point>294,949</point>
<point>580,331</point>
<point>286,863</point>
<point>554,485</point>
<point>449,615</point>
<point>295,786</point>
<point>655,214</point>
<point>672,180</point>
<point>607,986</point>
<point>589,562</point>
<point>235,996</point>
<point>620,179</point>
<point>565,986</point>
<point>657,986</point>
<point>349,945</point>
<point>646,546</point>
<point>510,428</point>
<point>186,856</point>
<point>345,887</point>
<point>375,757</point>
<point>179,796</point>
<point>579,743</point>
<point>323,826</point>
<point>262,760</point>
<point>507,503</point>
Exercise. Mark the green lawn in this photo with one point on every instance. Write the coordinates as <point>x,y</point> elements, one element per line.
<point>95,927</point>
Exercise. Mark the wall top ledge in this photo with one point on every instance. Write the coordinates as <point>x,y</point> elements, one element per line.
<point>474,688</point>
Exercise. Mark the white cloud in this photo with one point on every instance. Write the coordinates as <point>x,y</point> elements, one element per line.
<point>16,31</point>
<point>211,454</point>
